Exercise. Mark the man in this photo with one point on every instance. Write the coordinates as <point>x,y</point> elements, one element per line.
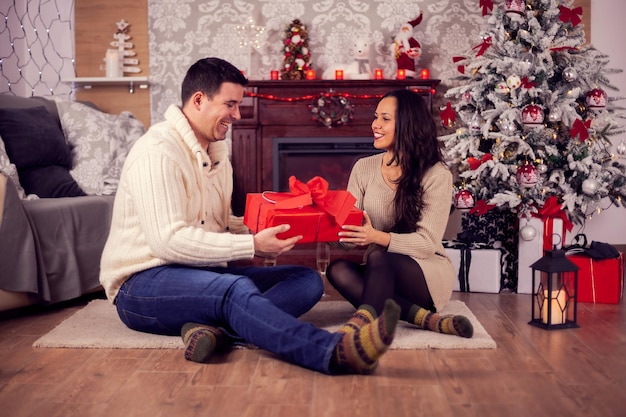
<point>164,265</point>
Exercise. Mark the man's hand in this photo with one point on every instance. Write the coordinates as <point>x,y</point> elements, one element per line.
<point>267,245</point>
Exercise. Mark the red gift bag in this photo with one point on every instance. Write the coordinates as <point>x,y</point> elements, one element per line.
<point>310,209</point>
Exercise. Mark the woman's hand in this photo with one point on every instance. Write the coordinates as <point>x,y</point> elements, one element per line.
<point>363,235</point>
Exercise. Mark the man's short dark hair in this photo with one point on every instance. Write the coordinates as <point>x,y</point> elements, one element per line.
<point>208,75</point>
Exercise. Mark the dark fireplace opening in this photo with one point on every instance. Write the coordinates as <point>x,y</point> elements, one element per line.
<point>331,158</point>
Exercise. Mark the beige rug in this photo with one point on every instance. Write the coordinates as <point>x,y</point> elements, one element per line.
<point>97,326</point>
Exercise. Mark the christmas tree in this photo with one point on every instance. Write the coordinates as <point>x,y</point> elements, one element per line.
<point>533,122</point>
<point>297,59</point>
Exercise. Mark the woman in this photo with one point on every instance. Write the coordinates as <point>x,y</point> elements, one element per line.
<point>405,193</point>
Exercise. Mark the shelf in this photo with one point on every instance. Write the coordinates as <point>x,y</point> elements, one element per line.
<point>88,82</point>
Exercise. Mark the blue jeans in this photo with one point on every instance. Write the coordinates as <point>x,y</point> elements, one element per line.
<point>259,304</point>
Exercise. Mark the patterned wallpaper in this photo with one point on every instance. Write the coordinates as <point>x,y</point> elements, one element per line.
<point>183,31</point>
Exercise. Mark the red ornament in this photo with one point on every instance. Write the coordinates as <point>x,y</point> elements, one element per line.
<point>515,6</point>
<point>596,98</point>
<point>532,115</point>
<point>464,199</point>
<point>527,176</point>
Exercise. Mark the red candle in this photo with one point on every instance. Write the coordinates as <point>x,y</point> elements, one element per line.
<point>401,75</point>
<point>338,74</point>
<point>378,74</point>
<point>273,75</point>
<point>425,74</point>
<point>310,74</point>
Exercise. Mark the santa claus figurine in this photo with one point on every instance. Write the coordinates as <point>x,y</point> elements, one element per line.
<point>406,48</point>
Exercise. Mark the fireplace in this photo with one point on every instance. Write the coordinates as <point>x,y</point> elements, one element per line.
<point>331,158</point>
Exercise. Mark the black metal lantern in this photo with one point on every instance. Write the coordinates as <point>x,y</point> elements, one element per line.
<point>555,282</point>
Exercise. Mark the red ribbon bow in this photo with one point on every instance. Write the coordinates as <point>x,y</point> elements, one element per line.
<point>580,128</point>
<point>475,162</point>
<point>568,15</point>
<point>487,6</point>
<point>481,207</point>
<point>528,84</point>
<point>552,210</point>
<point>460,68</point>
<point>315,191</point>
<point>483,46</point>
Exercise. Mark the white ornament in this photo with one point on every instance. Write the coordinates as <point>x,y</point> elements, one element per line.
<point>514,81</point>
<point>528,233</point>
<point>621,148</point>
<point>527,62</point>
<point>590,186</point>
<point>570,74</point>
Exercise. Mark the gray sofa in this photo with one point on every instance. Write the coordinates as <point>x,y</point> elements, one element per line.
<point>52,236</point>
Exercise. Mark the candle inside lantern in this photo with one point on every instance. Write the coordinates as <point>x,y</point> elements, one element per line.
<point>556,304</point>
<point>378,74</point>
<point>339,74</point>
<point>425,74</point>
<point>273,75</point>
<point>310,74</point>
<point>401,75</point>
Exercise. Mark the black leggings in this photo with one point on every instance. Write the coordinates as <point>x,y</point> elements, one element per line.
<point>384,275</point>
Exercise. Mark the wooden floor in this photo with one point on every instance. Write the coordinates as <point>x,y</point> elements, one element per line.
<point>533,372</point>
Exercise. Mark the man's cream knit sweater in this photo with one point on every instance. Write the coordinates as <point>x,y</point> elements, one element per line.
<point>172,206</point>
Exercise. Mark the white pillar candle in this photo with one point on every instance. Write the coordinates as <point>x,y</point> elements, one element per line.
<point>112,61</point>
<point>556,304</point>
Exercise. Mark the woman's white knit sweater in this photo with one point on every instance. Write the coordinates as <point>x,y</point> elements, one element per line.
<point>172,206</point>
<point>425,245</point>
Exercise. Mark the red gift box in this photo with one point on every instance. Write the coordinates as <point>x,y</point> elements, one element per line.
<point>311,209</point>
<point>599,281</point>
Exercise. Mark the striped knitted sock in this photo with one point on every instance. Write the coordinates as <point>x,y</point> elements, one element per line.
<point>365,314</point>
<point>201,341</point>
<point>359,350</point>
<point>449,324</point>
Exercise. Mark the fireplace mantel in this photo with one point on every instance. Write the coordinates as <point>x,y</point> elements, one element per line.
<point>282,108</point>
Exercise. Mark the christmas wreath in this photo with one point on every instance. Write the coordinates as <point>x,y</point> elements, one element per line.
<point>331,110</point>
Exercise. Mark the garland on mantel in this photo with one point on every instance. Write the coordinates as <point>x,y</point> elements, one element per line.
<point>330,109</point>
<point>328,95</point>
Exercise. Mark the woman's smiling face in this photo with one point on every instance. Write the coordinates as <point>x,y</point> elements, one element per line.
<point>384,124</point>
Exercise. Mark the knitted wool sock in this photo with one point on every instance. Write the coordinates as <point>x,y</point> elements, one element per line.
<point>365,314</point>
<point>201,341</point>
<point>449,324</point>
<point>359,350</point>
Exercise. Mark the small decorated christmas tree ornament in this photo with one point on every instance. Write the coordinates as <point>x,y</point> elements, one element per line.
<point>464,199</point>
<point>297,58</point>
<point>527,176</point>
<point>528,233</point>
<point>596,99</point>
<point>532,115</point>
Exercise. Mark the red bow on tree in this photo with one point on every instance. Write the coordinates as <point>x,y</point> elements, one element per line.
<point>483,46</point>
<point>487,6</point>
<point>528,84</point>
<point>481,207</point>
<point>580,128</point>
<point>448,116</point>
<point>568,15</point>
<point>460,68</point>
<point>475,163</point>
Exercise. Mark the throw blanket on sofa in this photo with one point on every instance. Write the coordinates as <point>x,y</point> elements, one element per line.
<point>54,256</point>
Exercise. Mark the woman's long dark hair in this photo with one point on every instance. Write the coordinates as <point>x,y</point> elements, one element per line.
<point>416,149</point>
